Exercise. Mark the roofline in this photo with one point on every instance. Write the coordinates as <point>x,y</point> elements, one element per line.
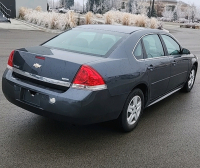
<point>110,30</point>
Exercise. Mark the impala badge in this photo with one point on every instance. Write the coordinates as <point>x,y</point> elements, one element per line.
<point>37,65</point>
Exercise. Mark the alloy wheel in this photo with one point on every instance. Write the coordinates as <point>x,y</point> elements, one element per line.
<point>134,110</point>
<point>191,79</point>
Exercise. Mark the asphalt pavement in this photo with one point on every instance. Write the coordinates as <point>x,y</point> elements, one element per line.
<point>168,134</point>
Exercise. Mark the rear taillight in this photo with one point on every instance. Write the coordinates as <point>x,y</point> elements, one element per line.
<point>10,60</point>
<point>88,78</point>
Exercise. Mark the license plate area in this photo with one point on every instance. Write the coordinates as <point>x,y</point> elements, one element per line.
<point>31,97</point>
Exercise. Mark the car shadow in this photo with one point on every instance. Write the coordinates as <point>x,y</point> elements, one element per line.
<point>45,135</point>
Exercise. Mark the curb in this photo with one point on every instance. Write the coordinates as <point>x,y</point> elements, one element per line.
<point>190,26</point>
<point>39,27</point>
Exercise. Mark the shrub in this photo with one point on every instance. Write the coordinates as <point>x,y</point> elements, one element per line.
<point>108,17</point>
<point>71,19</point>
<point>22,12</point>
<point>99,16</point>
<point>153,23</point>
<point>126,19</point>
<point>88,18</point>
<point>38,8</point>
<point>117,16</point>
<point>140,21</point>
<point>54,20</point>
<point>49,20</point>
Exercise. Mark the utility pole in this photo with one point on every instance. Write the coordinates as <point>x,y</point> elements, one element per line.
<point>101,6</point>
<point>152,10</point>
<point>83,6</point>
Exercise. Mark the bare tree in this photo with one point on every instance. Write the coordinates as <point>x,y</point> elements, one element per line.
<point>168,14</point>
<point>77,7</point>
<point>180,11</point>
<point>116,4</point>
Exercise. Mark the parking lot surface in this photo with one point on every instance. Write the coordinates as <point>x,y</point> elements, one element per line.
<point>168,134</point>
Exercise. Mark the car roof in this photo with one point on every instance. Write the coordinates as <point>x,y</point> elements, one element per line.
<point>113,28</point>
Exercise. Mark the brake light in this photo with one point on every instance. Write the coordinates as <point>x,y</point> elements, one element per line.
<point>88,78</point>
<point>10,60</point>
<point>38,57</point>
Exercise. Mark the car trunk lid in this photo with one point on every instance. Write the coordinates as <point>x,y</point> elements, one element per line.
<point>51,64</point>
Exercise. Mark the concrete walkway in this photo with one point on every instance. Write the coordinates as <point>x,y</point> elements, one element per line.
<point>23,25</point>
<point>15,24</point>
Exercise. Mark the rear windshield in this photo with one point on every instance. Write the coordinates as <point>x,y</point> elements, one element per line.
<point>92,42</point>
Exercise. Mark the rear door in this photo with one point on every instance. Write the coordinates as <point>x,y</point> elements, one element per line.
<point>158,65</point>
<point>179,63</point>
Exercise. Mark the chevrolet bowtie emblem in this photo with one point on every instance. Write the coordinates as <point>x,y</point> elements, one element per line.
<point>37,65</point>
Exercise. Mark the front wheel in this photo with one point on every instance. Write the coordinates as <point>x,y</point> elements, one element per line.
<point>132,110</point>
<point>190,81</point>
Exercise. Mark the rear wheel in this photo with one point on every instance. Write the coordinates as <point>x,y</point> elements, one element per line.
<point>132,110</point>
<point>190,81</point>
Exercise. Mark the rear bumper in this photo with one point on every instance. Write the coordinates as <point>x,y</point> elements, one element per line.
<point>74,106</point>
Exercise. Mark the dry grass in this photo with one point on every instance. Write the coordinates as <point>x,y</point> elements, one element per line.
<point>112,17</point>
<point>88,18</point>
<point>38,8</point>
<point>49,20</point>
<point>71,19</point>
<point>154,23</point>
<point>118,16</point>
<point>22,12</point>
<point>141,21</point>
<point>126,19</point>
<point>109,18</point>
<point>59,21</point>
<point>99,16</point>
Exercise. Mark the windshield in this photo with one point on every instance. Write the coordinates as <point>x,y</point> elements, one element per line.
<point>92,42</point>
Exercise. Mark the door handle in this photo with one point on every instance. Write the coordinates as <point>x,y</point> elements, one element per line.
<point>174,62</point>
<point>150,68</point>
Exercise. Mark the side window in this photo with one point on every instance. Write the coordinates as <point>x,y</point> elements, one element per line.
<point>153,46</point>
<point>138,51</point>
<point>173,47</point>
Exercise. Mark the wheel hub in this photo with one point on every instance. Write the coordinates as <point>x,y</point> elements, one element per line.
<point>191,79</point>
<point>134,110</point>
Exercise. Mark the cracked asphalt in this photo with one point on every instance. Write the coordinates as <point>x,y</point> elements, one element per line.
<point>168,134</point>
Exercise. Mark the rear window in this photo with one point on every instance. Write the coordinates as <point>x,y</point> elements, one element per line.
<point>92,42</point>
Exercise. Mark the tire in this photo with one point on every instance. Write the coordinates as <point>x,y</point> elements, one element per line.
<point>190,81</point>
<point>132,110</point>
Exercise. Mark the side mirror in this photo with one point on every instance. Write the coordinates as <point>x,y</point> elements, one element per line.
<point>185,51</point>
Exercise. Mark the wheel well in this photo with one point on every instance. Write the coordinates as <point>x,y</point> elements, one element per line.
<point>196,65</point>
<point>144,89</point>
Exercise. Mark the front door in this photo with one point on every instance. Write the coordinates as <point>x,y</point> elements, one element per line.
<point>158,66</point>
<point>179,63</point>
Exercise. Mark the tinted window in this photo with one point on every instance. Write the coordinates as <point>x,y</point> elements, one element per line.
<point>138,51</point>
<point>91,42</point>
<point>153,46</point>
<point>173,47</point>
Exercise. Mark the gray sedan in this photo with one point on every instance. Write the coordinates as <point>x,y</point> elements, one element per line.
<point>97,73</point>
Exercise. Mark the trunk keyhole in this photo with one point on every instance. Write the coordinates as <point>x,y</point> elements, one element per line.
<point>32,93</point>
